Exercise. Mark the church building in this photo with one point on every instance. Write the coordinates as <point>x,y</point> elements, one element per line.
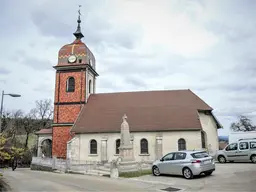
<point>86,124</point>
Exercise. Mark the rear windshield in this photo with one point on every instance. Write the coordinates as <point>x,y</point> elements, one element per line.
<point>199,155</point>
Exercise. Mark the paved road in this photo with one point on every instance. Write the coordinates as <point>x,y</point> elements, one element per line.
<point>227,177</point>
<point>27,180</point>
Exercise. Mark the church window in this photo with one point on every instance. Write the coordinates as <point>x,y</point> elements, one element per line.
<point>90,86</point>
<point>203,139</point>
<point>93,146</point>
<point>70,84</point>
<point>143,146</point>
<point>80,60</point>
<point>117,145</point>
<point>181,144</point>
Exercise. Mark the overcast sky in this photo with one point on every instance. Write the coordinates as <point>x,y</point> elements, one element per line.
<point>205,46</point>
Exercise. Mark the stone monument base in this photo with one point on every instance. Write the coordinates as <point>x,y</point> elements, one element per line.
<point>133,166</point>
<point>126,153</point>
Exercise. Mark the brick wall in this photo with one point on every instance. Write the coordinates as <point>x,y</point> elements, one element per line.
<point>66,113</point>
<point>59,142</point>
<point>60,87</point>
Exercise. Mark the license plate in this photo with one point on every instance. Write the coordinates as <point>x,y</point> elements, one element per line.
<point>207,162</point>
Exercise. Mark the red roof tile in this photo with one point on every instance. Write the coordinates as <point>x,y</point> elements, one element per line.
<point>146,111</point>
<point>45,131</point>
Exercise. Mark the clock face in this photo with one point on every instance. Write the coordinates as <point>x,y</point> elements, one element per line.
<point>72,59</point>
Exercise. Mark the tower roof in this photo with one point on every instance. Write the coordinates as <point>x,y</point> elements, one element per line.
<point>78,34</point>
<point>76,54</point>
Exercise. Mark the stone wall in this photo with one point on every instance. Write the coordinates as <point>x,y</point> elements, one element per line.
<point>159,143</point>
<point>210,128</point>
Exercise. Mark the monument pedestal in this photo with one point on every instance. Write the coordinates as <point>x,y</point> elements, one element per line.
<point>126,153</point>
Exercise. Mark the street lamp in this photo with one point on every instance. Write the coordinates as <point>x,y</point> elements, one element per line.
<point>2,103</point>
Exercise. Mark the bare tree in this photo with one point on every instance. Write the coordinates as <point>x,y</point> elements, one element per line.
<point>29,126</point>
<point>43,112</point>
<point>244,124</point>
<point>44,109</point>
<point>14,125</point>
<point>6,118</point>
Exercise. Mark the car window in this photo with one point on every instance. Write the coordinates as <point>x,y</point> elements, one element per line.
<point>231,147</point>
<point>199,155</point>
<point>253,144</point>
<point>168,157</point>
<point>180,156</point>
<point>243,145</point>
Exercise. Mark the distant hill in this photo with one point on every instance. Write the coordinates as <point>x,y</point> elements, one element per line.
<point>223,138</point>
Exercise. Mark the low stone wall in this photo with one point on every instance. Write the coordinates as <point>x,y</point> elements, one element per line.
<point>113,169</point>
<point>40,168</point>
<point>41,164</point>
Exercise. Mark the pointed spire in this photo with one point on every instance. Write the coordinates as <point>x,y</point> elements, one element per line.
<point>78,34</point>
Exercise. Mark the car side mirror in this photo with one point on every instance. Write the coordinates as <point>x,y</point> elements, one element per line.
<point>162,159</point>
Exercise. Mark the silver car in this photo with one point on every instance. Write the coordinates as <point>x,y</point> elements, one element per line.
<point>186,163</point>
<point>243,150</point>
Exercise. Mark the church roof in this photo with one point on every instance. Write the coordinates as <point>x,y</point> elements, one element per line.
<point>146,111</point>
<point>44,131</point>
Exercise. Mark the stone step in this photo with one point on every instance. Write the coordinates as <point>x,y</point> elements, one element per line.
<point>103,169</point>
<point>99,172</point>
<point>107,165</point>
<point>92,172</point>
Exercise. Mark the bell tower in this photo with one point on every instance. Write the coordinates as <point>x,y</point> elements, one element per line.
<point>75,81</point>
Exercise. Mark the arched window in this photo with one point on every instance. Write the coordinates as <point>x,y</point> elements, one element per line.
<point>203,139</point>
<point>117,145</point>
<point>143,146</point>
<point>93,146</point>
<point>90,86</point>
<point>70,84</point>
<point>181,144</point>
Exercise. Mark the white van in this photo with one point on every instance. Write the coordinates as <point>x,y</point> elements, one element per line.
<point>243,150</point>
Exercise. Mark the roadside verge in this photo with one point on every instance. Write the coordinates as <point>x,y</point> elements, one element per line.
<point>3,185</point>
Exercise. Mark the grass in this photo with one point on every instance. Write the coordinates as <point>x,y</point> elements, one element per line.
<point>135,173</point>
<point>32,139</point>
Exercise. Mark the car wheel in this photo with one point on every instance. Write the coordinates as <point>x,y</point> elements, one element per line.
<point>208,173</point>
<point>222,159</point>
<point>253,158</point>
<point>155,171</point>
<point>187,173</point>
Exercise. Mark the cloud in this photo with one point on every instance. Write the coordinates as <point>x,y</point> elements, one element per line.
<point>205,46</point>
<point>98,30</point>
<point>37,64</point>
<point>4,71</point>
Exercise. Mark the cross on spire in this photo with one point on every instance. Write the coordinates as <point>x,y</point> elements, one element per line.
<point>78,34</point>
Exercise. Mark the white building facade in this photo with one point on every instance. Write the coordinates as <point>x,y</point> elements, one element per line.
<point>147,146</point>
